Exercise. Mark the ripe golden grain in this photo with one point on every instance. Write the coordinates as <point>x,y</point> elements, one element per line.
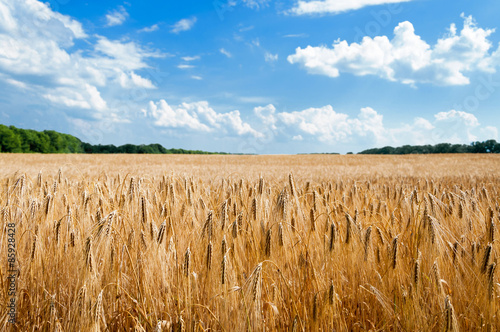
<point>486,258</point>
<point>394,252</point>
<point>104,264</point>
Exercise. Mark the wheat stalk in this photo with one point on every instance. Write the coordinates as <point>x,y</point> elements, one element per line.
<point>486,258</point>
<point>394,252</point>
<point>268,243</point>
<point>187,262</point>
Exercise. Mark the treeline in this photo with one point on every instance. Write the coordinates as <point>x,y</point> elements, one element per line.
<point>489,146</point>
<point>139,149</point>
<point>16,140</point>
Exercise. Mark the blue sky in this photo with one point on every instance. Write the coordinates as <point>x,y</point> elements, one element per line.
<point>253,76</point>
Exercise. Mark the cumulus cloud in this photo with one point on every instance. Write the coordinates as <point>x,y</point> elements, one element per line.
<point>198,116</point>
<point>320,129</point>
<point>132,80</point>
<point>184,25</point>
<point>335,6</point>
<point>457,127</point>
<point>407,58</point>
<point>116,17</point>
<point>331,127</point>
<point>267,115</point>
<point>326,126</point>
<point>36,51</point>
<point>89,98</point>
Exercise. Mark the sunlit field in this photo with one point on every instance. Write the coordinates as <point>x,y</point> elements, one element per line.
<point>249,243</point>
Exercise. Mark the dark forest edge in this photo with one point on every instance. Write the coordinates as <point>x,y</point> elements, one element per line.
<point>16,140</point>
<point>489,146</point>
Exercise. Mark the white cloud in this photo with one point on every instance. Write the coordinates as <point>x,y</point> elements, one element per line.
<point>116,17</point>
<point>29,16</point>
<point>36,52</point>
<point>184,66</point>
<point>132,80</point>
<point>456,126</point>
<point>152,28</point>
<point>267,115</point>
<point>166,116</point>
<point>184,25</point>
<point>269,57</point>
<point>335,6</point>
<point>226,53</point>
<point>331,127</point>
<point>406,58</point>
<point>468,119</point>
<point>126,56</point>
<point>453,126</point>
<point>89,98</point>
<point>367,129</point>
<point>191,58</point>
<point>39,14</point>
<point>198,116</point>
<point>196,77</point>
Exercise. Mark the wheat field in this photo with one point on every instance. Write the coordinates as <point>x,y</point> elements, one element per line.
<point>250,243</point>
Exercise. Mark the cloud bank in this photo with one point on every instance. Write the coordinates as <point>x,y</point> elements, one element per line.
<point>322,126</point>
<point>36,54</point>
<point>406,58</point>
<point>198,117</point>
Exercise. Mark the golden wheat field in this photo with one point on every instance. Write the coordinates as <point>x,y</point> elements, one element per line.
<point>249,243</point>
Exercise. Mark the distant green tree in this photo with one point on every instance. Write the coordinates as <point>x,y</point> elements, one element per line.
<point>128,148</point>
<point>489,146</point>
<point>9,140</point>
<point>56,143</point>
